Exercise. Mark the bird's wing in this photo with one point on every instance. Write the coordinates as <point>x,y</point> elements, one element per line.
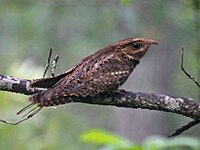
<point>52,81</point>
<point>49,82</point>
<point>90,80</point>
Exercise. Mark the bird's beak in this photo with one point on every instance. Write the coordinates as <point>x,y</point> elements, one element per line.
<point>152,42</point>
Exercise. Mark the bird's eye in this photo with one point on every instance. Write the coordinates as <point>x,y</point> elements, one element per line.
<point>137,45</point>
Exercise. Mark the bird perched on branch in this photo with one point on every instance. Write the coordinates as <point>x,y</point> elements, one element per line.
<point>101,72</point>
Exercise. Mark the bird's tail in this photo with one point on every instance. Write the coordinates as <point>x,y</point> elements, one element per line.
<point>49,98</point>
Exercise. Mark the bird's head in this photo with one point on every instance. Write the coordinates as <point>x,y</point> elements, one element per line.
<point>134,48</point>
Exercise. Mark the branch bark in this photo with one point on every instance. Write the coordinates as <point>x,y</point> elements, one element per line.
<point>121,98</point>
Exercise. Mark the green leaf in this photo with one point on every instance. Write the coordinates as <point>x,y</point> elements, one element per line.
<point>101,137</point>
<point>154,143</point>
<point>186,142</point>
<point>124,2</point>
<point>178,143</point>
<point>98,136</point>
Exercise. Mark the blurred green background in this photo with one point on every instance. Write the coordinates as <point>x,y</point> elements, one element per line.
<point>75,29</point>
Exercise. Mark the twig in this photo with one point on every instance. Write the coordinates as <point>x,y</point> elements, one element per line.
<point>186,73</point>
<point>27,116</point>
<point>53,67</point>
<point>48,62</point>
<point>193,122</point>
<point>184,128</point>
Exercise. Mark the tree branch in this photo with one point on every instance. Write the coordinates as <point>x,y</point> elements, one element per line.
<point>16,85</point>
<point>179,105</point>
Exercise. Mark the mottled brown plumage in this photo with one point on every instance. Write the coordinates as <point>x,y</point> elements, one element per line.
<point>103,71</point>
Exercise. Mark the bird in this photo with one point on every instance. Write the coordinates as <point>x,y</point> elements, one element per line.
<point>104,71</point>
<point>101,72</point>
